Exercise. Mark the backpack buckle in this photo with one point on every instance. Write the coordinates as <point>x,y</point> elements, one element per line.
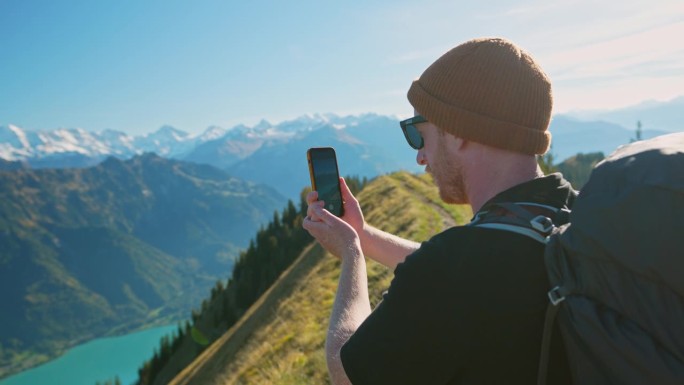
<point>542,224</point>
<point>555,296</point>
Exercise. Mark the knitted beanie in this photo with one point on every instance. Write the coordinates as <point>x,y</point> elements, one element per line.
<point>489,91</point>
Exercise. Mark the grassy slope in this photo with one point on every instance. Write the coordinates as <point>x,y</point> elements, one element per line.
<point>281,339</point>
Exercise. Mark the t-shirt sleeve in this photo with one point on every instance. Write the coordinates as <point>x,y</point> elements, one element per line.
<point>409,338</point>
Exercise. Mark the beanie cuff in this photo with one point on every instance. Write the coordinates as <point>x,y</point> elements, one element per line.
<point>477,127</point>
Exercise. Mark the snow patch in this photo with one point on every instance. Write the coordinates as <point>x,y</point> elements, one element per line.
<point>21,135</point>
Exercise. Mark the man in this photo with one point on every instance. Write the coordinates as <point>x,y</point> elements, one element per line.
<point>467,306</point>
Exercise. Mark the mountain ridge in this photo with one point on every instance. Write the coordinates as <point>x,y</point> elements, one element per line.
<point>368,145</point>
<point>74,147</point>
<point>654,115</point>
<point>571,136</point>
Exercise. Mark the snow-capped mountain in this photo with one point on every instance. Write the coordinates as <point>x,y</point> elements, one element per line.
<point>17,144</point>
<point>76,147</point>
<point>371,146</point>
<point>274,154</point>
<point>50,148</point>
<point>14,143</point>
<point>166,141</point>
<point>213,132</point>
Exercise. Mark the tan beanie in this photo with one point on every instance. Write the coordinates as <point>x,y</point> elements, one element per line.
<point>489,91</point>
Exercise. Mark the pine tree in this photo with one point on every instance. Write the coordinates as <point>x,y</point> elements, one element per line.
<point>546,162</point>
<point>269,253</point>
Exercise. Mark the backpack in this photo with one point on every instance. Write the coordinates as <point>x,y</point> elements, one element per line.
<point>616,270</point>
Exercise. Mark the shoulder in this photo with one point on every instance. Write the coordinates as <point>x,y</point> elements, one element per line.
<point>436,252</point>
<point>461,241</point>
<point>442,254</point>
<point>458,254</point>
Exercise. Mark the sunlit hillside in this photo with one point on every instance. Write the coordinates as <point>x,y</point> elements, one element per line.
<point>280,340</point>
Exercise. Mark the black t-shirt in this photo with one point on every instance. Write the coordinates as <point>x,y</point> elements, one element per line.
<point>467,307</point>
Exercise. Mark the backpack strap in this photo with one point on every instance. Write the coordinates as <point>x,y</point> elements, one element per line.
<point>538,222</point>
<point>532,220</point>
<point>549,321</point>
<point>556,296</point>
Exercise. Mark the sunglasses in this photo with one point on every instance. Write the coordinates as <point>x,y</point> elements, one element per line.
<point>411,133</point>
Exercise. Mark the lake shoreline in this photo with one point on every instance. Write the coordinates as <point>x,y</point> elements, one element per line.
<point>31,360</point>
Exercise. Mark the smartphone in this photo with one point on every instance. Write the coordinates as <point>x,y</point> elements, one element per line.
<point>325,178</point>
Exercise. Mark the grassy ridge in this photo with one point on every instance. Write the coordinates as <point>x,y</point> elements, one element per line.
<point>286,345</point>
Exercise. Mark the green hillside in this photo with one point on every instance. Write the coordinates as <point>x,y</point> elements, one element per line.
<point>108,249</point>
<point>577,168</point>
<point>280,338</point>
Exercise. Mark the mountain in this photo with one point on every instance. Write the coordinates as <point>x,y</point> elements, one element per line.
<point>660,116</point>
<point>61,147</point>
<point>279,337</point>
<point>108,249</point>
<point>367,144</point>
<point>76,147</point>
<point>369,147</point>
<point>167,141</point>
<point>571,136</point>
<point>12,165</point>
<point>235,145</point>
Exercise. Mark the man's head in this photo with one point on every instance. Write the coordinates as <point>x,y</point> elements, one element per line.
<point>488,91</point>
<point>484,108</point>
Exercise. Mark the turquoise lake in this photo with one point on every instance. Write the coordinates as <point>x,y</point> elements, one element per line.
<point>98,360</point>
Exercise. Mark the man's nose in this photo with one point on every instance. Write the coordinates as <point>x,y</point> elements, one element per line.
<point>420,157</point>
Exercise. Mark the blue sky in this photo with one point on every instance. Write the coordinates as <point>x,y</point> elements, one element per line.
<point>136,65</point>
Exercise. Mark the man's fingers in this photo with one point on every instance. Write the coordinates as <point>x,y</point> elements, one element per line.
<point>310,210</point>
<point>316,204</point>
<point>323,214</point>
<point>310,225</point>
<point>317,223</point>
<point>311,197</point>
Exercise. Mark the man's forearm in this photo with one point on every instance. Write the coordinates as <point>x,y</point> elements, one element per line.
<point>350,309</point>
<point>386,248</point>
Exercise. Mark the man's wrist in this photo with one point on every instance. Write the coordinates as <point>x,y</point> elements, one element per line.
<point>365,234</point>
<point>354,251</point>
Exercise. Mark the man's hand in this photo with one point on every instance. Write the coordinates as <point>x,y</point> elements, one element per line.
<point>352,210</point>
<point>334,234</point>
<point>383,247</point>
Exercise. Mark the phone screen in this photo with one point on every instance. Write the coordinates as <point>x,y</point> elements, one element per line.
<point>325,178</point>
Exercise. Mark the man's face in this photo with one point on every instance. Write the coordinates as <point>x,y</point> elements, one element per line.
<point>440,157</point>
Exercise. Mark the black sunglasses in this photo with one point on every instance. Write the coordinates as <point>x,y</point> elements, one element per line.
<point>411,133</point>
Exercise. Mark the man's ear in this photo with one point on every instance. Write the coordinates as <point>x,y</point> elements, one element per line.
<point>463,143</point>
<point>457,143</point>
